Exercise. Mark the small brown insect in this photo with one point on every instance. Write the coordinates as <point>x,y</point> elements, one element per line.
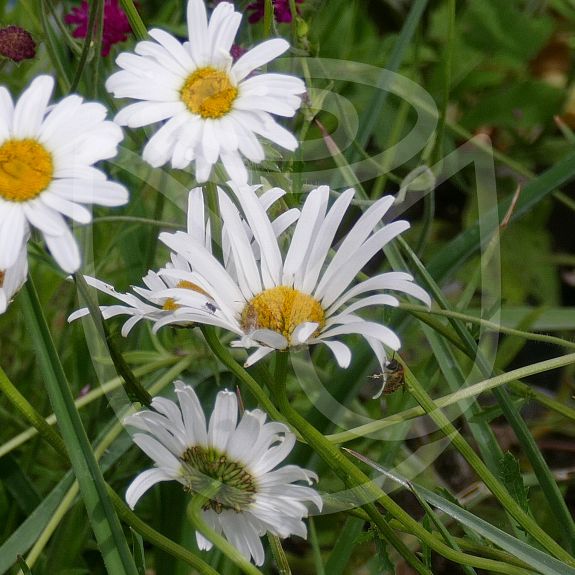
<point>393,376</point>
<point>250,318</point>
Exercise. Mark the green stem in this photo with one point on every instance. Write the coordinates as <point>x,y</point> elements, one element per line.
<point>135,390</point>
<point>94,13</point>
<point>68,38</point>
<point>227,359</point>
<point>52,49</point>
<point>211,192</point>
<point>421,310</point>
<point>87,399</point>
<point>24,407</point>
<point>103,518</point>
<point>510,377</point>
<point>279,555</point>
<point>130,518</point>
<point>194,512</point>
<point>136,220</point>
<point>268,17</point>
<point>319,568</point>
<point>52,525</point>
<point>138,26</point>
<point>157,539</point>
<point>548,484</point>
<point>493,484</point>
<point>368,491</point>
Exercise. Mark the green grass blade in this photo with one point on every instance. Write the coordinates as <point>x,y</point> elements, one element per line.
<point>104,521</point>
<point>344,546</point>
<point>543,563</point>
<point>29,531</point>
<point>371,118</point>
<point>545,477</point>
<point>469,241</point>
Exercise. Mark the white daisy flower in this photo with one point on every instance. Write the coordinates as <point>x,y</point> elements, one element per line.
<point>215,108</point>
<point>151,303</point>
<point>13,278</point>
<point>149,306</point>
<point>306,297</point>
<point>46,169</point>
<point>254,497</point>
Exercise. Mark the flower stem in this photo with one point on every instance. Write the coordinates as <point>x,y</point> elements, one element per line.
<point>194,512</point>
<point>211,192</point>
<point>30,414</point>
<point>138,26</point>
<point>495,486</point>
<point>135,390</point>
<point>511,378</point>
<point>227,359</point>
<point>279,555</point>
<point>368,492</point>
<point>130,518</point>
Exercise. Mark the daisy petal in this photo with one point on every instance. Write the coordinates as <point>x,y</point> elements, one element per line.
<point>143,483</point>
<point>258,56</point>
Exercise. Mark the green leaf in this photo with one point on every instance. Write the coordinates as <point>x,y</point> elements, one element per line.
<point>385,563</point>
<point>138,552</point>
<point>350,536</point>
<point>513,480</point>
<point>522,105</point>
<point>504,30</point>
<point>18,484</point>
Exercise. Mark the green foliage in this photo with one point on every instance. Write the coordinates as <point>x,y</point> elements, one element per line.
<point>505,70</point>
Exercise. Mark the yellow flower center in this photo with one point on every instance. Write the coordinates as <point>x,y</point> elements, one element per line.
<point>209,93</point>
<point>2,275</point>
<point>171,305</point>
<point>26,170</point>
<point>282,309</point>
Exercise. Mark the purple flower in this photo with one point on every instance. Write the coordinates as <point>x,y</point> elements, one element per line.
<point>116,25</point>
<point>282,10</point>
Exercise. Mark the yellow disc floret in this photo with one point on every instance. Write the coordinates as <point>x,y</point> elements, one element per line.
<point>282,309</point>
<point>26,170</point>
<point>209,93</point>
<point>171,305</point>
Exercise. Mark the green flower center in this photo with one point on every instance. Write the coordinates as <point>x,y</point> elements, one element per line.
<point>204,465</point>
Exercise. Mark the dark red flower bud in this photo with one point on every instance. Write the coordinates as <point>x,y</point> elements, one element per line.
<point>16,44</point>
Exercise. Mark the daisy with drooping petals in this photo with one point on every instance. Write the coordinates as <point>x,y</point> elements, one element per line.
<point>13,278</point>
<point>151,303</point>
<point>214,107</point>
<point>305,297</point>
<point>254,496</point>
<point>46,169</point>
